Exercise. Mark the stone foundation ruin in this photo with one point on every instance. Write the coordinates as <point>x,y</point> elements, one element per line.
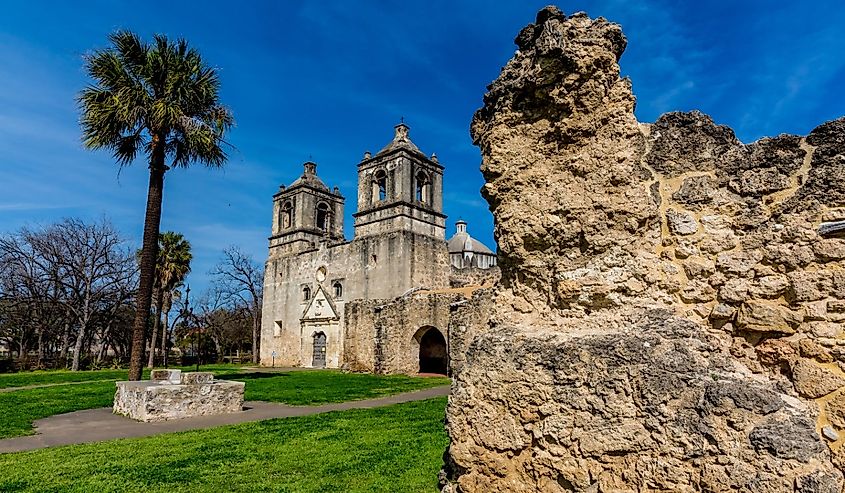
<point>670,313</point>
<point>169,394</point>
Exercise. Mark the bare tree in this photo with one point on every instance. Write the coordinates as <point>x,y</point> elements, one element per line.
<point>228,326</point>
<point>94,265</point>
<point>240,280</point>
<point>70,276</point>
<point>32,290</point>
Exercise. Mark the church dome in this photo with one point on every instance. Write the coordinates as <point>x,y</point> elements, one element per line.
<point>309,178</point>
<point>462,242</point>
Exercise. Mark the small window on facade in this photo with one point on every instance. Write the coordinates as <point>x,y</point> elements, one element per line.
<point>306,293</point>
<point>287,215</point>
<point>423,187</point>
<point>323,216</point>
<point>338,289</point>
<point>380,186</point>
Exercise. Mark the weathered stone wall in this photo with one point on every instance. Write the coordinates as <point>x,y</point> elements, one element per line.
<point>383,335</point>
<point>669,317</point>
<point>375,267</point>
<point>474,276</point>
<point>359,329</point>
<point>468,318</point>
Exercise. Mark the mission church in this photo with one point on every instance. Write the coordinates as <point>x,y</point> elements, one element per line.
<point>391,300</point>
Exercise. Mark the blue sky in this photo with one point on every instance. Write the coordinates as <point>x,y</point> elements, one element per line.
<point>330,79</point>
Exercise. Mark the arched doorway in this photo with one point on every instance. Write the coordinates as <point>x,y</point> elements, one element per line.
<point>433,355</point>
<point>318,356</point>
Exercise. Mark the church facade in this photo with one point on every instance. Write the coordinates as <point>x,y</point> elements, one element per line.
<point>314,276</point>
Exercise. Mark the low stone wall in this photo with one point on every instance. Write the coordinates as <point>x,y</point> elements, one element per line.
<point>390,326</point>
<point>172,395</point>
<point>380,334</point>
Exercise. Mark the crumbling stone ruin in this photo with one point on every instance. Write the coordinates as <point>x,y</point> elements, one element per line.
<point>670,312</point>
<point>170,394</point>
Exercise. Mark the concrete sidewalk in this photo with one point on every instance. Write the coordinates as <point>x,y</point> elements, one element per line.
<point>95,425</point>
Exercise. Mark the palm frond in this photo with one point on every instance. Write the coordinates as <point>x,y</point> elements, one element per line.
<point>163,88</point>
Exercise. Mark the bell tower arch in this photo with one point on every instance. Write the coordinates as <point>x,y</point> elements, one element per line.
<point>400,189</point>
<point>305,214</point>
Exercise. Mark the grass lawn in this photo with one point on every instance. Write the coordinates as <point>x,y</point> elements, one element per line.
<point>308,388</point>
<point>392,449</point>
<point>22,379</point>
<point>19,408</point>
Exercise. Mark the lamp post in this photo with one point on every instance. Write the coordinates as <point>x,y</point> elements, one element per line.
<point>196,339</point>
<point>187,315</point>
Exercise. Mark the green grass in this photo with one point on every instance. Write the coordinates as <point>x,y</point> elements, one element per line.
<point>391,449</point>
<point>308,388</point>
<point>47,377</point>
<point>10,380</point>
<point>20,408</point>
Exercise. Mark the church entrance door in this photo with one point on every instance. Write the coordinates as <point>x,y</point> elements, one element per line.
<point>433,355</point>
<point>318,358</point>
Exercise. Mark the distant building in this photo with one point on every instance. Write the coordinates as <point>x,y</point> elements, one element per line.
<point>314,276</point>
<point>465,251</point>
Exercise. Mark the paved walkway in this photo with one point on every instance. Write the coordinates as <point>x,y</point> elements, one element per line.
<point>95,425</point>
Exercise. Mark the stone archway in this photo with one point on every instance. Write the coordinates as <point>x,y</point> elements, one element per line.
<point>433,354</point>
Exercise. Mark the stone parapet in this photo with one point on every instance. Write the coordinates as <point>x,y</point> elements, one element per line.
<point>172,395</point>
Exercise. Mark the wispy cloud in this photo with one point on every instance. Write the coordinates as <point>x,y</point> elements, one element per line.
<point>31,206</point>
<point>329,80</point>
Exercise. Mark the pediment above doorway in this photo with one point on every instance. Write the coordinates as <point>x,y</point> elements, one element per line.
<point>321,307</point>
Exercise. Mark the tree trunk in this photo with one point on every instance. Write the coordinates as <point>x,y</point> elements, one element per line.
<point>149,251</point>
<point>104,344</point>
<point>77,348</point>
<point>22,353</point>
<point>168,302</point>
<point>156,325</point>
<point>256,332</point>
<point>101,351</point>
<point>65,342</point>
<point>218,348</point>
<point>40,346</point>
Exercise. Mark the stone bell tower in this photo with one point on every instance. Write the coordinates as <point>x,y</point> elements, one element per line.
<point>306,214</point>
<point>400,189</point>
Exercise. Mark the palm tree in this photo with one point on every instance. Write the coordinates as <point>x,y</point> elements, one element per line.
<point>172,265</point>
<point>160,99</point>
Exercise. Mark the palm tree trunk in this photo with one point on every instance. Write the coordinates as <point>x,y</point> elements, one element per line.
<point>156,325</point>
<point>149,249</point>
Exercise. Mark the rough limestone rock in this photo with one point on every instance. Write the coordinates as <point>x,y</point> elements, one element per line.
<point>171,394</point>
<point>670,313</point>
<point>813,381</point>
